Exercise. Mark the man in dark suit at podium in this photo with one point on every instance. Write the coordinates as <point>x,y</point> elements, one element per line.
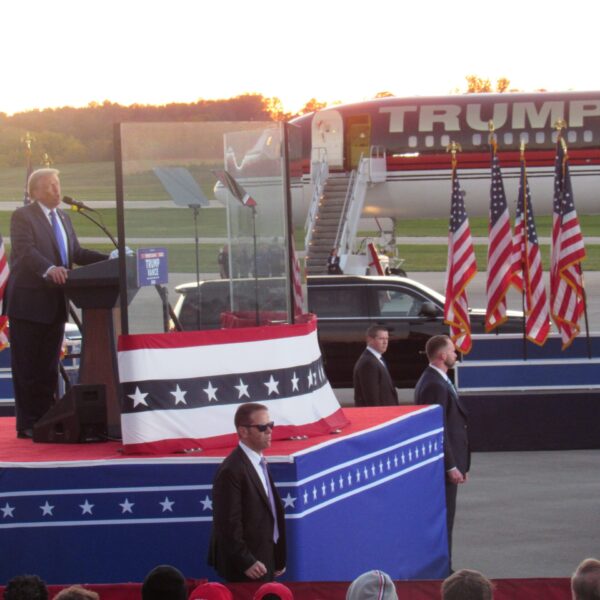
<point>373,383</point>
<point>435,387</point>
<point>43,249</point>
<point>248,535</point>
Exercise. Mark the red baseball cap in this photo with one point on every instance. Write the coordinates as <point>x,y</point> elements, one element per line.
<point>278,589</point>
<point>211,591</point>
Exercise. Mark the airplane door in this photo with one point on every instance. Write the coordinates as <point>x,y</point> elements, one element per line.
<point>359,139</point>
<point>328,133</point>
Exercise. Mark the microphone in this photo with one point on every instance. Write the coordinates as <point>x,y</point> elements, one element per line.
<point>76,204</point>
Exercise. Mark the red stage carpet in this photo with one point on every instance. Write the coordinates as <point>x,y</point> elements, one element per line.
<point>13,449</point>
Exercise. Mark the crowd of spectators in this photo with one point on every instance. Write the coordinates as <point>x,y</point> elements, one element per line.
<point>166,582</point>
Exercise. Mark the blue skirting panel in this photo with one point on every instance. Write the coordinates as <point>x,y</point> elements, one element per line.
<point>501,364</point>
<point>374,499</point>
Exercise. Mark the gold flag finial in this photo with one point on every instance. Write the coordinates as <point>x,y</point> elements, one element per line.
<point>492,138</point>
<point>560,125</point>
<point>46,160</point>
<point>453,147</point>
<point>27,139</point>
<point>522,148</point>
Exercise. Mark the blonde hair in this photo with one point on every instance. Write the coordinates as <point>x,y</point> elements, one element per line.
<point>35,177</point>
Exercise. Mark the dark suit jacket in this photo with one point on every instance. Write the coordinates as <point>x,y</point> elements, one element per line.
<point>33,250</point>
<point>433,389</point>
<point>242,530</point>
<point>373,385</point>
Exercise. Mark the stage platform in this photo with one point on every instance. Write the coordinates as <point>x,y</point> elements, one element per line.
<point>369,497</point>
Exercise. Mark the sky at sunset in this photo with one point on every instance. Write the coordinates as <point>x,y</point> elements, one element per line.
<point>73,52</point>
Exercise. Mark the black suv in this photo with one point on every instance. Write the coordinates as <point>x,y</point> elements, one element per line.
<point>345,307</point>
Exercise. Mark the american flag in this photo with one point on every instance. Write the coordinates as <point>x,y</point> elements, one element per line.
<point>3,280</point>
<point>567,301</point>
<point>235,188</point>
<point>527,265</point>
<point>460,270</point>
<point>181,389</point>
<point>297,282</point>
<point>499,267</point>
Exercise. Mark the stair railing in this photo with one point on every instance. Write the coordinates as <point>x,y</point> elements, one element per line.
<point>319,172</point>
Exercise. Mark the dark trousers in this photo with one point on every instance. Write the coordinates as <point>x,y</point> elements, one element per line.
<point>451,492</point>
<point>35,353</point>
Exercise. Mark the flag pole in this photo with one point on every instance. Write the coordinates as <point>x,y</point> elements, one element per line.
<point>494,147</point>
<point>27,140</point>
<point>255,266</point>
<point>524,264</point>
<point>560,125</point>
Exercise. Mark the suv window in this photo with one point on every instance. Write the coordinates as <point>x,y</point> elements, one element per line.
<point>333,301</point>
<point>394,302</point>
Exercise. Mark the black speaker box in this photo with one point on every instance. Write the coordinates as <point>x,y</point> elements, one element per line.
<point>78,417</point>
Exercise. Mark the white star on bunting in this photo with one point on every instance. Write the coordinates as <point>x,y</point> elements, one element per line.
<point>206,503</point>
<point>295,381</point>
<point>138,397</point>
<point>272,386</point>
<point>179,395</point>
<point>211,392</point>
<point>86,507</point>
<point>242,390</point>
<point>8,510</point>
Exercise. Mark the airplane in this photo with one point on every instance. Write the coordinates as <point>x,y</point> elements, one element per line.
<point>412,134</point>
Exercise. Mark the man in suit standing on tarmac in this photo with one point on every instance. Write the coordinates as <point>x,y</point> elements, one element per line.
<point>373,384</point>
<point>43,249</point>
<point>248,534</point>
<point>434,387</point>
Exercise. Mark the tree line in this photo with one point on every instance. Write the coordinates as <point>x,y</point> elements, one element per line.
<point>68,134</point>
<point>72,135</point>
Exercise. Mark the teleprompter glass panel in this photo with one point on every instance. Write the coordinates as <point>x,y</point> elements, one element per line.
<point>184,226</point>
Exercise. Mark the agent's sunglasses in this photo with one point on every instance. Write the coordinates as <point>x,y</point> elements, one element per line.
<point>262,428</point>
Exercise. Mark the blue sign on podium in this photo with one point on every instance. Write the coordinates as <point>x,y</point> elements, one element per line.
<point>152,266</point>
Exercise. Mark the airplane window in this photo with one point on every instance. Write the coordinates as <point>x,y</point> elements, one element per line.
<point>540,136</point>
<point>554,136</point>
<point>587,136</point>
<point>572,136</point>
<point>429,141</point>
<point>524,137</point>
<point>476,139</point>
<point>445,140</point>
<point>508,138</point>
<point>412,141</point>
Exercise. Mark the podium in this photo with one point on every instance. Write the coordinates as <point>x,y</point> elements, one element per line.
<point>95,290</point>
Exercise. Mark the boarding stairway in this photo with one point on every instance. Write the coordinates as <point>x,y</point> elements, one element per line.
<point>336,208</point>
<point>326,222</point>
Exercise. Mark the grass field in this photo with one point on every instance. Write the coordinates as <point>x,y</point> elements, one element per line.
<point>97,181</point>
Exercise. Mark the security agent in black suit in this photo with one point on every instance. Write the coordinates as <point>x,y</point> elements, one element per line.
<point>247,542</point>
<point>434,387</point>
<point>43,249</point>
<point>373,384</point>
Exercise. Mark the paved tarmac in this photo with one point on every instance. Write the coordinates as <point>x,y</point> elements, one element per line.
<point>521,514</point>
<point>524,514</point>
